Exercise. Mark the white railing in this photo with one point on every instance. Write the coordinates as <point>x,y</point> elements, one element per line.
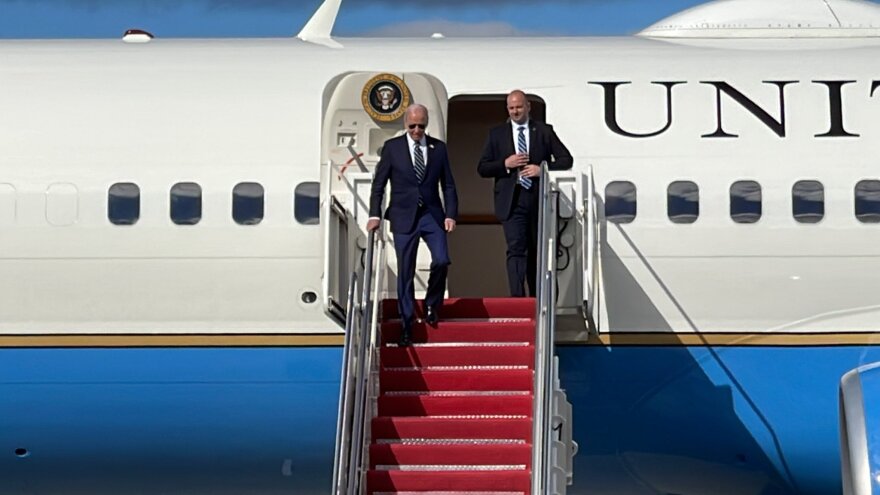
<point>358,363</point>
<point>542,440</point>
<point>591,252</point>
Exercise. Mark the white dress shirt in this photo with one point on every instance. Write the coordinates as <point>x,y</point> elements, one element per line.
<point>516,135</point>
<point>422,144</point>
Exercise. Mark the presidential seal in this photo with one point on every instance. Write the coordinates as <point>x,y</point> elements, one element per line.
<point>385,97</point>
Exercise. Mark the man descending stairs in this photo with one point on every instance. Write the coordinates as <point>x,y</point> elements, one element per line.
<point>454,411</point>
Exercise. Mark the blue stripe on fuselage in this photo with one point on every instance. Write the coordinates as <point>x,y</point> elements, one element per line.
<point>686,420</point>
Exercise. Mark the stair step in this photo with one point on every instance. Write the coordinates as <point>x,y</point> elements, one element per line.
<point>450,455</point>
<point>454,410</point>
<point>386,427</point>
<point>449,481</point>
<point>502,307</point>
<point>451,405</point>
<point>455,380</point>
<point>454,332</point>
<point>392,357</point>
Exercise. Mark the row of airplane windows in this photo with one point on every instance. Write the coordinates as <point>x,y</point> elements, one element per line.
<point>248,203</point>
<point>683,201</point>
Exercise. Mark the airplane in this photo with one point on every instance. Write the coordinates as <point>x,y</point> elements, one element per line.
<point>180,217</point>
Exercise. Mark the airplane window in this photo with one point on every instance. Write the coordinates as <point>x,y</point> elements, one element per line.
<point>124,203</point>
<point>745,201</point>
<point>683,202</point>
<point>306,203</point>
<point>186,203</point>
<point>620,201</point>
<point>248,203</point>
<point>868,201</point>
<point>808,201</point>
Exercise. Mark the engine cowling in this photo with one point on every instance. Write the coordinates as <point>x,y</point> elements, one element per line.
<point>776,19</point>
<point>860,430</point>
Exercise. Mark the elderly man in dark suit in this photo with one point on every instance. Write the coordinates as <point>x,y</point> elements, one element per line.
<point>512,156</point>
<point>418,167</point>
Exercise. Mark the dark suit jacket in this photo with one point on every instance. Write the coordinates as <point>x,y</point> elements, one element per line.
<point>396,165</point>
<point>544,145</point>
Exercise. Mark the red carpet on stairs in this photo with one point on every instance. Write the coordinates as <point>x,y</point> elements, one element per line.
<point>454,411</point>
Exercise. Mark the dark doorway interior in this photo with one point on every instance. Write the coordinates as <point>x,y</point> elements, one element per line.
<point>477,248</point>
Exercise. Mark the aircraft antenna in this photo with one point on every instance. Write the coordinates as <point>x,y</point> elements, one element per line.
<point>833,13</point>
<point>319,28</point>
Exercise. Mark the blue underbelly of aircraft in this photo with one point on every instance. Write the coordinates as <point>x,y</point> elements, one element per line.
<point>670,420</point>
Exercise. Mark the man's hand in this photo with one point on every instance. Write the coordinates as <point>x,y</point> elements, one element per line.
<point>449,224</point>
<point>517,160</point>
<point>530,171</point>
<point>373,224</point>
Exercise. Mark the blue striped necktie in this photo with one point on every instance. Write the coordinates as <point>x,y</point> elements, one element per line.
<point>525,182</point>
<point>419,162</point>
<point>419,166</point>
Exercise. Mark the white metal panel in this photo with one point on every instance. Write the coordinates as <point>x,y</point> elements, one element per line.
<point>62,204</point>
<point>7,204</point>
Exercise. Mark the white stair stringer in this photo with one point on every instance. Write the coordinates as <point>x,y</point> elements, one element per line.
<point>563,445</point>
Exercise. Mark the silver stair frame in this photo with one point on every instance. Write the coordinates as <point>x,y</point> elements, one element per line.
<point>359,360</point>
<point>552,446</point>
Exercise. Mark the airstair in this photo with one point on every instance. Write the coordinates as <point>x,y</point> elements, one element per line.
<point>473,407</point>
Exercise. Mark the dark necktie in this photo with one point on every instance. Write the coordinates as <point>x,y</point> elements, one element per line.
<point>419,162</point>
<point>419,166</point>
<point>525,182</point>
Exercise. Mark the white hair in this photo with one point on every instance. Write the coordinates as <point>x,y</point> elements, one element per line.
<point>411,110</point>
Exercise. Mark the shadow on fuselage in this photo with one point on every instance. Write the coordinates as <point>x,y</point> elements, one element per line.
<point>668,419</point>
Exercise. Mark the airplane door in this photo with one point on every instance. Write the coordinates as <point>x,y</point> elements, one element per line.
<point>362,110</point>
<point>590,262</point>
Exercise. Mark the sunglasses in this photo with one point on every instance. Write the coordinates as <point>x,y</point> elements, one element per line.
<point>420,126</point>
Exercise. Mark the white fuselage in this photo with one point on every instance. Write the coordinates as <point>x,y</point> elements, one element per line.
<point>79,116</point>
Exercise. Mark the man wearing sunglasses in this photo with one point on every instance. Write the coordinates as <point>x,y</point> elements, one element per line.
<point>418,167</point>
<point>511,157</point>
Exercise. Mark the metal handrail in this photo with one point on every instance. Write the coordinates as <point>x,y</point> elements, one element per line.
<point>366,346</point>
<point>343,422</point>
<point>545,338</point>
<point>371,355</point>
<point>356,367</point>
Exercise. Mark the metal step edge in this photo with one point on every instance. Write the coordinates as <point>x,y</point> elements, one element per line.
<point>450,441</point>
<point>487,367</point>
<point>457,393</point>
<point>499,319</point>
<point>465,344</point>
<point>450,467</point>
<point>464,416</point>
<point>449,493</point>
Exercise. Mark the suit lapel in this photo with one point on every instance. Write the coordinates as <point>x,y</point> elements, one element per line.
<point>431,159</point>
<point>407,161</point>
<point>511,140</point>
<point>407,154</point>
<point>533,142</point>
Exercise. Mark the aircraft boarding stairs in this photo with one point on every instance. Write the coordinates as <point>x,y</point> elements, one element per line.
<point>473,407</point>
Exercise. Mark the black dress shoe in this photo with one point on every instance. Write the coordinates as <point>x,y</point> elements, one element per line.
<point>431,317</point>
<point>405,335</point>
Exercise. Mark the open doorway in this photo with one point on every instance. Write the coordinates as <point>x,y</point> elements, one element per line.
<point>477,247</point>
